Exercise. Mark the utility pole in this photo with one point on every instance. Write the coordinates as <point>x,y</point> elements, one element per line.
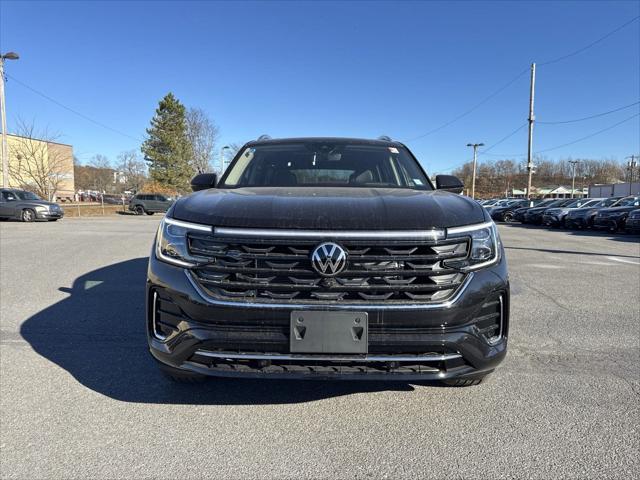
<point>5,151</point>
<point>475,159</point>
<point>631,165</point>
<point>573,175</point>
<point>531,120</point>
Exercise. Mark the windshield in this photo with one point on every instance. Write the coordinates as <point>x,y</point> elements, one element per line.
<point>581,202</point>
<point>319,164</point>
<point>628,202</point>
<point>607,202</point>
<point>590,203</point>
<point>26,195</point>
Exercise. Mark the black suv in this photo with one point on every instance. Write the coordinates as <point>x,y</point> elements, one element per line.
<point>150,203</point>
<point>614,218</point>
<point>327,258</point>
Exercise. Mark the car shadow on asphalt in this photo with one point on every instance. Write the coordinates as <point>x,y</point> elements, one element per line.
<point>97,334</point>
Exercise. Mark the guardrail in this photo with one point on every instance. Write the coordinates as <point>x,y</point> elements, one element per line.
<point>93,209</point>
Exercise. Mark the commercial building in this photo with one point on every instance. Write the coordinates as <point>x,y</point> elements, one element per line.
<point>41,166</point>
<point>600,190</point>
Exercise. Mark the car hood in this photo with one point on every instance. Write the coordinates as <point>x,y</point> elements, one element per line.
<point>36,203</point>
<point>328,208</point>
<point>617,209</point>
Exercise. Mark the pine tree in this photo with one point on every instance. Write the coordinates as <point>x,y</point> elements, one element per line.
<point>167,149</point>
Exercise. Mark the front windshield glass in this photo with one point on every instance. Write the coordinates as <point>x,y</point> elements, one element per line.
<point>26,195</point>
<point>628,202</point>
<point>321,164</point>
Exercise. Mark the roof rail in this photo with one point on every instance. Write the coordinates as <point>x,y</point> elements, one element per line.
<point>385,138</point>
<point>264,137</point>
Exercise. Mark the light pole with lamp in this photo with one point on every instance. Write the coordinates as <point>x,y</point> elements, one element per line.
<point>5,152</point>
<point>573,175</point>
<point>475,158</point>
<point>226,147</point>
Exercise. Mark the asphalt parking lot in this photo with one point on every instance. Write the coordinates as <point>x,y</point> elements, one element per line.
<point>81,397</point>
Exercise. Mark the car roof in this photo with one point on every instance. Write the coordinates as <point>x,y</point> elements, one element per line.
<point>345,140</point>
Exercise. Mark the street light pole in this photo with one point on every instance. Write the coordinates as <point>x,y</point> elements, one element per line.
<point>631,164</point>
<point>532,118</point>
<point>475,159</point>
<point>5,151</point>
<point>573,175</point>
<point>226,147</point>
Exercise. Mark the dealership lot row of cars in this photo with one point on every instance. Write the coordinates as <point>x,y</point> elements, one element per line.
<point>613,214</point>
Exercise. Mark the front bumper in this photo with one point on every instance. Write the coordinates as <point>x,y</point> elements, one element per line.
<point>606,223</point>
<point>201,335</point>
<point>49,215</point>
<point>576,222</point>
<point>535,218</point>
<point>632,225</point>
<point>552,220</point>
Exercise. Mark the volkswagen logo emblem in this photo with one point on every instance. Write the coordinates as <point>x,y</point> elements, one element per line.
<point>329,259</point>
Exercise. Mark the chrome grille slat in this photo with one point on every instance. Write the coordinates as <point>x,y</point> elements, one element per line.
<point>280,270</point>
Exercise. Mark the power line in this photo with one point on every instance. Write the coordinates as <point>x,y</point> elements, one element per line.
<point>580,50</point>
<point>100,124</point>
<point>590,117</point>
<point>590,135</point>
<point>472,109</point>
<point>483,152</point>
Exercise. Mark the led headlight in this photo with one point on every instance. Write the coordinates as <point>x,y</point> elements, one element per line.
<point>484,246</point>
<point>171,242</point>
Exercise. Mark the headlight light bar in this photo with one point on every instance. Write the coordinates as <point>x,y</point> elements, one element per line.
<point>172,243</point>
<point>485,245</point>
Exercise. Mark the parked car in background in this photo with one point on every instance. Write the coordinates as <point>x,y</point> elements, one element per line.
<point>150,203</point>
<point>518,213</point>
<point>614,218</point>
<point>27,206</point>
<point>632,225</point>
<point>534,215</point>
<point>555,217</point>
<point>583,217</point>
<point>505,213</point>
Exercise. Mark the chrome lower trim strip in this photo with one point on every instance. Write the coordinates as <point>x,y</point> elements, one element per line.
<point>154,308</point>
<point>330,358</point>
<point>329,306</point>
<point>329,234</point>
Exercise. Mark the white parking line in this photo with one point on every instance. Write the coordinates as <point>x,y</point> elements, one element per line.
<point>623,260</point>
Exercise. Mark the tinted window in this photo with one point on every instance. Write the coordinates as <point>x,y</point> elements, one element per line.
<point>26,195</point>
<point>325,164</point>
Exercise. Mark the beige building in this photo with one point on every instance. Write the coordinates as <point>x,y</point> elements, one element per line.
<point>41,166</point>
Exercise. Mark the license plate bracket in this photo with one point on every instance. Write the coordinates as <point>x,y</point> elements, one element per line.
<point>329,332</point>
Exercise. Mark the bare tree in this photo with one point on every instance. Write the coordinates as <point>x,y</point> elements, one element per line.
<point>35,164</point>
<point>202,133</point>
<point>131,170</point>
<point>102,173</point>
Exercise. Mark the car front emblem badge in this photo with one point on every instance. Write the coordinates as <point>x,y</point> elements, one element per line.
<point>329,259</point>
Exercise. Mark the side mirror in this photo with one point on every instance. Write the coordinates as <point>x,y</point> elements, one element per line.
<point>449,183</point>
<point>203,181</point>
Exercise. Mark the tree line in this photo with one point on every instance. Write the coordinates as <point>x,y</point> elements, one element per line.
<point>497,178</point>
<point>180,142</point>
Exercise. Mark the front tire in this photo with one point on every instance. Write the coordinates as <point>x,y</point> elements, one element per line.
<point>28,215</point>
<point>507,217</point>
<point>139,210</point>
